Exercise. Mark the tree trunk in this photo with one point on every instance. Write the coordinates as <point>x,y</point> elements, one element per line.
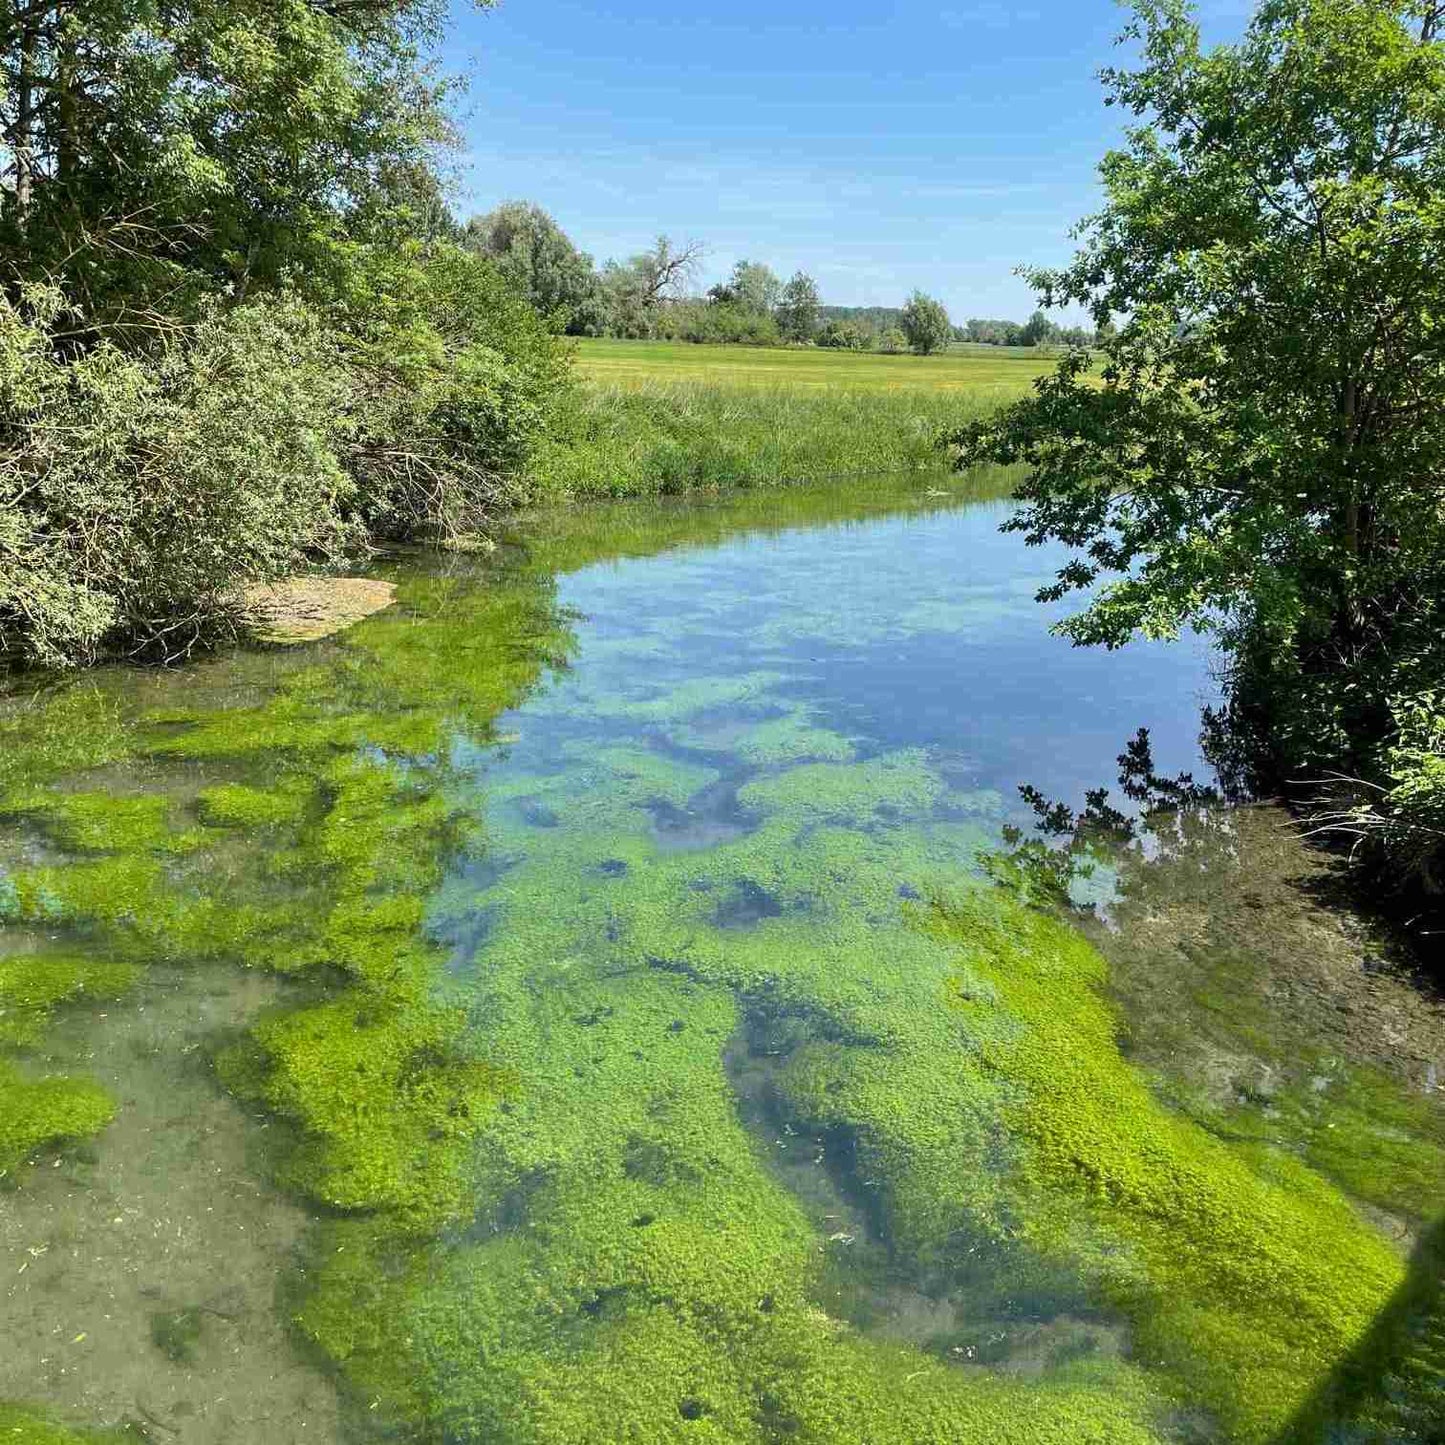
<point>24,138</point>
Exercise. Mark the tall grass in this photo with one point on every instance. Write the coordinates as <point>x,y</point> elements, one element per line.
<point>672,437</point>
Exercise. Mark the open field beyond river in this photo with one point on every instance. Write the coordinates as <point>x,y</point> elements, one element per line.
<point>975,370</point>
<point>665,417</point>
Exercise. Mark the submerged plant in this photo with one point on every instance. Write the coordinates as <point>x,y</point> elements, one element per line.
<point>656,1064</point>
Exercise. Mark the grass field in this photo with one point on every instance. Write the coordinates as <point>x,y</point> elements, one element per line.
<point>640,364</point>
<point>667,417</point>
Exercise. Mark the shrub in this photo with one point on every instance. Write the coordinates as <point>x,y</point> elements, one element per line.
<point>454,381</point>
<point>1401,822</point>
<point>843,336</point>
<point>137,492</point>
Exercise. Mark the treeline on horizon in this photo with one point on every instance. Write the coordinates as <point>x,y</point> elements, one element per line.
<point>651,296</point>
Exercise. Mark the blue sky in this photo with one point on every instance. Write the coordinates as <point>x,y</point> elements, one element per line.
<point>877,148</point>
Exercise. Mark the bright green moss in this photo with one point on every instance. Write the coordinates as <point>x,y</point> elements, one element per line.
<point>234,805</point>
<point>33,984</point>
<point>1245,1274</point>
<point>20,1426</point>
<point>386,1097</point>
<point>49,1110</point>
<point>104,823</point>
<point>793,739</point>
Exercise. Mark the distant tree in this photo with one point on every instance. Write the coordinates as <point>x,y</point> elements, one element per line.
<point>664,271</point>
<point>893,340</point>
<point>844,336</point>
<point>926,324</point>
<point>1038,330</point>
<point>751,287</point>
<point>533,252</point>
<point>799,308</point>
<point>633,292</point>
<point>715,321</point>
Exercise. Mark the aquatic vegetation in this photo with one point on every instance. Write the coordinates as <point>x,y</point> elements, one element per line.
<point>33,984</point>
<point>234,805</point>
<point>627,1234</point>
<point>658,1065</point>
<point>57,733</point>
<point>104,823</point>
<point>793,738</point>
<point>1244,1273</point>
<point>46,1110</point>
<point>24,1427</point>
<point>848,792</point>
<point>385,1094</point>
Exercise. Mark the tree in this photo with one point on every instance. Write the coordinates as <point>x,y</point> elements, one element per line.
<point>844,336</point>
<point>533,252</point>
<point>154,153</point>
<point>1038,330</point>
<point>751,287</point>
<point>893,340</point>
<point>633,292</point>
<point>663,272</point>
<point>926,325</point>
<point>799,308</point>
<point>1265,446</point>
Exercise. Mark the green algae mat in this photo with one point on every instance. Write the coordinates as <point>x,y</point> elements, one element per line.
<point>568,1007</point>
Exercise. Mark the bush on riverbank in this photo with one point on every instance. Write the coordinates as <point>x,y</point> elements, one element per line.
<point>141,490</point>
<point>136,492</point>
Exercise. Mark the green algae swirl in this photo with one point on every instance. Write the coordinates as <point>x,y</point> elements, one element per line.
<point>656,1065</point>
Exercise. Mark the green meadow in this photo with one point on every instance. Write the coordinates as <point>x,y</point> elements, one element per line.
<point>969,370</point>
<point>654,417</point>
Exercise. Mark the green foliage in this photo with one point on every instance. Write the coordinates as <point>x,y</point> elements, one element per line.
<point>844,336</point>
<point>136,495</point>
<point>717,322</point>
<point>926,325</point>
<point>1038,330</point>
<point>238,336</point>
<point>1264,451</point>
<point>1400,819</point>
<point>799,308</point>
<point>751,286</point>
<point>534,255</point>
<point>198,146</point>
<point>453,380</point>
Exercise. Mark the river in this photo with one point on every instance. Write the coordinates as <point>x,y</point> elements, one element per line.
<point>572,1006</point>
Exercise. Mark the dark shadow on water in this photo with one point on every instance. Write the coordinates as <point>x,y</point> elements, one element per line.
<point>1391,1388</point>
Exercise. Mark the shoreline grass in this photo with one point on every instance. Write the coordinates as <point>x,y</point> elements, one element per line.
<point>660,418</point>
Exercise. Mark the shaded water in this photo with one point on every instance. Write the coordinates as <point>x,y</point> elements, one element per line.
<point>567,1009</point>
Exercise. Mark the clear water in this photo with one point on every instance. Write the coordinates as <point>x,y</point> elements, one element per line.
<point>568,1009</point>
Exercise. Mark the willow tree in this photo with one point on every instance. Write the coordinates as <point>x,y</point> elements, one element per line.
<point>150,150</point>
<point>1264,449</point>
